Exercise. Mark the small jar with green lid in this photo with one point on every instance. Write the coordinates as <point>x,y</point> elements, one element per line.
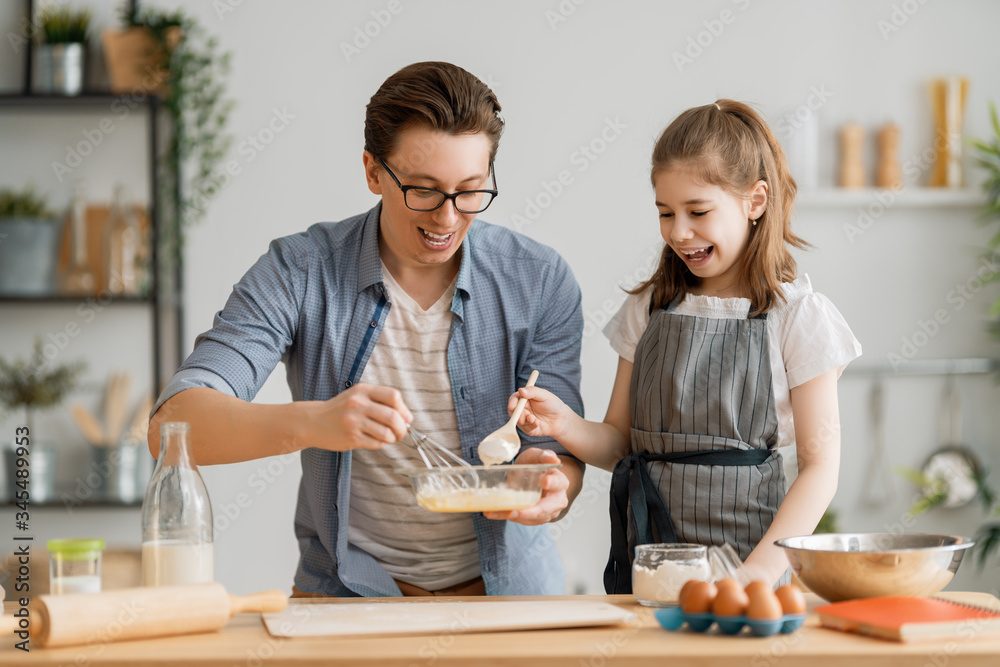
<point>75,566</point>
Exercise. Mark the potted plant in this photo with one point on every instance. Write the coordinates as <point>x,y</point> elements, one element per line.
<point>938,489</point>
<point>137,56</point>
<point>62,55</point>
<point>36,384</point>
<point>173,55</point>
<point>29,237</point>
<point>988,157</point>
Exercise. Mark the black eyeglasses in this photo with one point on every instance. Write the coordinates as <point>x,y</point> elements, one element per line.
<point>429,199</point>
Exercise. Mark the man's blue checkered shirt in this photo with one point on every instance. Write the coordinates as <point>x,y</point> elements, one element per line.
<point>316,301</point>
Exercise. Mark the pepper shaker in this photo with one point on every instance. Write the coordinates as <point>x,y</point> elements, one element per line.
<point>852,168</point>
<point>888,173</point>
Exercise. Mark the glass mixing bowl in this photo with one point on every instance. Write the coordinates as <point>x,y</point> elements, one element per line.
<point>478,488</point>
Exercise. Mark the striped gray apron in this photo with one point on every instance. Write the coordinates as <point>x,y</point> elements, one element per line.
<point>704,466</point>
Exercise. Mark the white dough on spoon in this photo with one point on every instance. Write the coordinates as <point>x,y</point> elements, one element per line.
<point>494,451</point>
<point>503,444</point>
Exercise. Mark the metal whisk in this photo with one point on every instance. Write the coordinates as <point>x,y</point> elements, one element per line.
<point>434,454</point>
<point>455,472</point>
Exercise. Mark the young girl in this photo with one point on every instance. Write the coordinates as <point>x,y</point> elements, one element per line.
<point>725,357</point>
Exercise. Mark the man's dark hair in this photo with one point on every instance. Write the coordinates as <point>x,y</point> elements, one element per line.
<point>437,95</point>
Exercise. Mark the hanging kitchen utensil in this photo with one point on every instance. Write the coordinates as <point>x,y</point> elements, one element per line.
<point>879,488</point>
<point>954,465</point>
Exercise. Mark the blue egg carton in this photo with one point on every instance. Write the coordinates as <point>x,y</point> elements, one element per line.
<point>673,618</point>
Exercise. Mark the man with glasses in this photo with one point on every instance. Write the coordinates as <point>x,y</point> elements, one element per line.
<point>412,313</point>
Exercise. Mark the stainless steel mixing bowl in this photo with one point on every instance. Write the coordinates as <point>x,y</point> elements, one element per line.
<point>845,566</point>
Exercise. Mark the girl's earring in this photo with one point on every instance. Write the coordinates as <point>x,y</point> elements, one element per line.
<point>754,222</point>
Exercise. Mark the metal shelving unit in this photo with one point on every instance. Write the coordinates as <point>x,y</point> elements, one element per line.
<point>164,308</point>
<point>163,301</point>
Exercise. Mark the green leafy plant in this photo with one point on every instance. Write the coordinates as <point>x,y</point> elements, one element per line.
<point>934,491</point>
<point>988,157</point>
<point>828,522</point>
<point>35,383</point>
<point>24,203</point>
<point>199,109</point>
<point>988,539</point>
<point>62,25</point>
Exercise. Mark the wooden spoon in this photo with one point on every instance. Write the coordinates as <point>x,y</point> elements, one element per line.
<point>116,404</point>
<point>503,444</point>
<point>140,420</point>
<point>88,425</point>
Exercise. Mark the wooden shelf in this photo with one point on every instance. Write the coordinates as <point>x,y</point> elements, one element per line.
<point>967,366</point>
<point>87,504</point>
<point>62,300</point>
<point>87,99</point>
<point>910,197</point>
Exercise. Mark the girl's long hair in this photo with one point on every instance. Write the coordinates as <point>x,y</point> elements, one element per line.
<point>729,145</point>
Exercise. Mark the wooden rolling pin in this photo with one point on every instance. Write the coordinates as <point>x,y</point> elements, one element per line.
<point>8,624</point>
<point>140,613</point>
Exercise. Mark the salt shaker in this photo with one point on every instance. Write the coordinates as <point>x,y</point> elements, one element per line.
<point>177,543</point>
<point>888,173</point>
<point>852,167</point>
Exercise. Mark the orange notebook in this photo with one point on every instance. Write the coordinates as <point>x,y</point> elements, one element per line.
<point>910,619</point>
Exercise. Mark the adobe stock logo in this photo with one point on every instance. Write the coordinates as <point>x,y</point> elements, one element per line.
<point>370,30</point>
<point>899,17</point>
<point>957,298</point>
<point>581,158</point>
<point>704,39</point>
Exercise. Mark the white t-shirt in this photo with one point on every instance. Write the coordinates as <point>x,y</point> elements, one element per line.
<point>807,337</point>
<point>426,549</point>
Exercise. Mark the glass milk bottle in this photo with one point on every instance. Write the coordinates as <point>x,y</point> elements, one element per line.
<point>176,516</point>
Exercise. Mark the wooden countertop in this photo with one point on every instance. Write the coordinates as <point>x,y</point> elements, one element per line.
<point>246,642</point>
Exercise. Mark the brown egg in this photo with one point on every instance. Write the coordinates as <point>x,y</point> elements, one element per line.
<point>731,599</point>
<point>699,598</point>
<point>728,582</point>
<point>792,600</point>
<point>764,605</point>
<point>756,585</point>
<point>685,589</point>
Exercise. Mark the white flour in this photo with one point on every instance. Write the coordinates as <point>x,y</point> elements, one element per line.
<point>664,583</point>
<point>496,451</point>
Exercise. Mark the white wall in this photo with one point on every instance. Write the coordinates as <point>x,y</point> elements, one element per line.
<point>565,73</point>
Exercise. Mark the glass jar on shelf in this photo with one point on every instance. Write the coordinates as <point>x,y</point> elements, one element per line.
<point>79,278</point>
<point>122,246</point>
